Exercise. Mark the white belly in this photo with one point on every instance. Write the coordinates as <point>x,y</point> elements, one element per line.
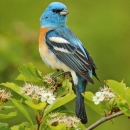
<point>50,59</point>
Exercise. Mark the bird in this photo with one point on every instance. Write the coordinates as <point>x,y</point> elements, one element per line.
<point>61,49</point>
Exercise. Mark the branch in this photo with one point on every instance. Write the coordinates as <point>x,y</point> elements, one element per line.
<point>102,120</point>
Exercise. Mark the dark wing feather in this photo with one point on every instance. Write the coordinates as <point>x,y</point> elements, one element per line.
<point>92,64</point>
<point>72,57</point>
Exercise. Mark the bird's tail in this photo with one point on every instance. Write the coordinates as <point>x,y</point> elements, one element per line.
<point>80,107</point>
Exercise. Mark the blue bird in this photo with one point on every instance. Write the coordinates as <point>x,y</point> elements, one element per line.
<point>60,48</point>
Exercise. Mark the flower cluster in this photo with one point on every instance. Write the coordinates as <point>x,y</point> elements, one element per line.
<point>71,122</point>
<point>104,94</point>
<point>37,93</point>
<point>4,96</point>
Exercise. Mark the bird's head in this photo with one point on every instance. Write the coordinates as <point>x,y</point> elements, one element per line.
<point>54,15</point>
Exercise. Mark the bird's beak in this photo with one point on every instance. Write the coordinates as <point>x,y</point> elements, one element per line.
<point>64,12</point>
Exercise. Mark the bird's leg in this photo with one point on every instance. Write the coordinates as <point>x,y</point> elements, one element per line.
<point>54,77</point>
<point>56,83</point>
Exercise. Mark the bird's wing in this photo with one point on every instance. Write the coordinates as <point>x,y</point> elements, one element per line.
<point>68,49</point>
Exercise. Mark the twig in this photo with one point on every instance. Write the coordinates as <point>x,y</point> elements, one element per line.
<point>102,120</point>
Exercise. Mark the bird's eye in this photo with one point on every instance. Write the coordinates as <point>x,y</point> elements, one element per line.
<point>54,10</point>
<point>57,10</point>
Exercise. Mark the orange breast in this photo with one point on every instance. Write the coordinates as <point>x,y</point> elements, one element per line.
<point>43,32</point>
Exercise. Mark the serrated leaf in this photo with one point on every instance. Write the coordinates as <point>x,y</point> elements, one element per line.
<point>9,115</point>
<point>22,109</point>
<point>117,88</point>
<point>61,126</point>
<point>123,106</point>
<point>100,108</point>
<point>39,106</point>
<point>29,79</point>
<point>16,89</point>
<point>59,102</point>
<point>25,126</point>
<point>29,72</point>
<point>4,126</point>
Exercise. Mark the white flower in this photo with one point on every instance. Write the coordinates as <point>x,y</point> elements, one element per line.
<point>39,90</point>
<point>27,89</point>
<point>71,122</point>
<point>35,96</point>
<point>98,97</point>
<point>33,91</point>
<point>49,97</point>
<point>111,95</point>
<point>105,94</point>
<point>48,79</point>
<point>96,100</point>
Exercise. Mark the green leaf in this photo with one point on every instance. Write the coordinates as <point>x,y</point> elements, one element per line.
<point>23,126</point>
<point>7,107</point>
<point>66,84</point>
<point>29,73</point>
<point>39,106</point>
<point>128,95</point>
<point>88,95</point>
<point>9,115</point>
<point>16,89</point>
<point>61,91</point>
<point>64,109</point>
<point>81,126</point>
<point>26,78</point>
<point>61,126</point>
<point>123,106</point>
<point>16,127</point>
<point>12,86</point>
<point>22,109</point>
<point>120,90</point>
<point>65,88</point>
<point>117,88</point>
<point>59,102</point>
<point>4,126</point>
<point>100,108</point>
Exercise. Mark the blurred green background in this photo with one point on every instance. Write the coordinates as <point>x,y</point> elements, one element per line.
<point>102,26</point>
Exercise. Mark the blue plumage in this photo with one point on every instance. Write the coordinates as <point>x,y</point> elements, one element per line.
<point>61,49</point>
<point>52,19</point>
